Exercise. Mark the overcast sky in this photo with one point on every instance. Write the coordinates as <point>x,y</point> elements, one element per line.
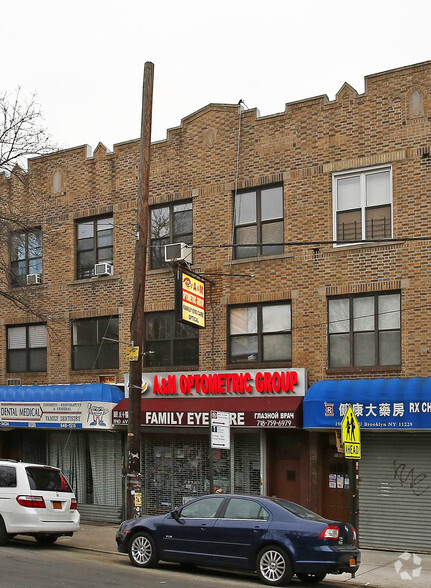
<point>85,59</point>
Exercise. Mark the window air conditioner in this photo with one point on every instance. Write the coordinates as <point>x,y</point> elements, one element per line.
<point>178,252</point>
<point>33,279</point>
<point>103,269</point>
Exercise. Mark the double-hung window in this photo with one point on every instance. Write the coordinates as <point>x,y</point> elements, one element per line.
<point>25,255</point>
<point>261,332</point>
<point>26,348</point>
<point>364,330</point>
<point>172,223</point>
<point>363,205</point>
<point>95,343</point>
<point>94,244</point>
<point>258,220</point>
<point>169,342</point>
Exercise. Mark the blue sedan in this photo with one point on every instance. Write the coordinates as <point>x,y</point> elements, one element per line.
<point>275,537</point>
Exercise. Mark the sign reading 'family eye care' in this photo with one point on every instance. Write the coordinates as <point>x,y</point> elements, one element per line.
<point>190,300</point>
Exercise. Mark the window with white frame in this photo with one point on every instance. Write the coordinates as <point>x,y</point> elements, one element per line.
<point>258,220</point>
<point>364,330</point>
<point>363,205</point>
<point>260,332</point>
<point>26,348</point>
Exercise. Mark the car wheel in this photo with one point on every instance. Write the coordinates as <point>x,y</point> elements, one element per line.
<point>46,538</point>
<point>311,578</point>
<point>3,534</point>
<point>143,551</point>
<point>273,566</point>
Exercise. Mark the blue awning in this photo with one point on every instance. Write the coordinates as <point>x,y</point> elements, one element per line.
<point>379,404</point>
<point>61,393</point>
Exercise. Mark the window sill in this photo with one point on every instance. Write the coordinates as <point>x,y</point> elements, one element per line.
<point>169,369</point>
<point>93,280</point>
<point>260,258</point>
<point>253,365</point>
<point>380,369</point>
<point>364,245</point>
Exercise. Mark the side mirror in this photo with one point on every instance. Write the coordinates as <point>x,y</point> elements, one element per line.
<point>175,514</point>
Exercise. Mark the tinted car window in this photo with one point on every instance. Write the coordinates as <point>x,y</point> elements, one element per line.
<point>202,509</point>
<point>7,477</point>
<point>47,479</point>
<point>298,510</point>
<point>239,508</point>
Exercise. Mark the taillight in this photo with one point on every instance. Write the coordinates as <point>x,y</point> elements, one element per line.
<point>73,504</point>
<point>331,532</point>
<point>31,501</point>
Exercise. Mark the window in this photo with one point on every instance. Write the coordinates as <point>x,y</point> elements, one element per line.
<point>25,255</point>
<point>261,332</point>
<point>170,342</point>
<point>169,224</point>
<point>206,508</point>
<point>26,348</point>
<point>7,477</point>
<point>241,508</point>
<point>258,219</point>
<point>363,205</point>
<point>364,330</point>
<point>94,244</point>
<point>95,343</point>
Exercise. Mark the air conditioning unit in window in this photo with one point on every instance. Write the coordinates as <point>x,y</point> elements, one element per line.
<point>103,269</point>
<point>180,252</point>
<point>33,279</point>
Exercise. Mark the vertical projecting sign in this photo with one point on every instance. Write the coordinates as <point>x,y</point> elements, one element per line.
<point>190,299</point>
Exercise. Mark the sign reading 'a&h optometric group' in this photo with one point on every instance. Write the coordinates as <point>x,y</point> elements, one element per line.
<point>190,300</point>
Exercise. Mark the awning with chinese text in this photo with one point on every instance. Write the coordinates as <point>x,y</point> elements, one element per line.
<point>398,403</point>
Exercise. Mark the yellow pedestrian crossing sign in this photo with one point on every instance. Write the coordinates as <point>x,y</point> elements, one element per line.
<point>351,435</point>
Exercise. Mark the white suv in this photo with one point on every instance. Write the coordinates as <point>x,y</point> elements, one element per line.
<point>35,500</point>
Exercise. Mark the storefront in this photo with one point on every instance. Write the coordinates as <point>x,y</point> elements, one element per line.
<point>395,469</point>
<point>68,426</point>
<point>265,412</point>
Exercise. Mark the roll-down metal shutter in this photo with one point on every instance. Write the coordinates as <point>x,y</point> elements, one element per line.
<point>395,491</point>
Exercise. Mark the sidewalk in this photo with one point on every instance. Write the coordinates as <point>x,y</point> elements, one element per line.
<point>378,568</point>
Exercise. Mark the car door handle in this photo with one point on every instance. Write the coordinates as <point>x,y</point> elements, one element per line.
<point>203,526</point>
<point>256,529</point>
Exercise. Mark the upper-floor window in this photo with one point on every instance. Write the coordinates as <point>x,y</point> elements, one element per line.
<point>26,348</point>
<point>261,332</point>
<point>363,205</point>
<point>95,343</point>
<point>171,223</point>
<point>170,342</point>
<point>25,255</point>
<point>94,244</point>
<point>364,330</point>
<point>258,220</point>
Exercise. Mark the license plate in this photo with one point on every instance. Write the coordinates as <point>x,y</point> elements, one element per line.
<point>56,504</point>
<point>352,561</point>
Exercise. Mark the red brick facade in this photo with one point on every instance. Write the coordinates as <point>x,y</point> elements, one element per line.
<point>300,148</point>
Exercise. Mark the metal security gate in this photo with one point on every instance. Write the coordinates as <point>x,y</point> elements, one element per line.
<point>395,491</point>
<point>175,468</point>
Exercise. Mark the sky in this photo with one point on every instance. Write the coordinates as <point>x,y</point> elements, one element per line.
<point>85,59</point>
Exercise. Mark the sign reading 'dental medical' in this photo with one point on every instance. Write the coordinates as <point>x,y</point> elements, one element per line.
<point>190,299</point>
<point>61,415</point>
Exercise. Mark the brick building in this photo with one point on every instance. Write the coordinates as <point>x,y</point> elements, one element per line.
<point>309,230</point>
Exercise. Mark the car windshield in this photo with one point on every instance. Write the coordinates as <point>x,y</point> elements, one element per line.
<point>298,510</point>
<point>47,479</point>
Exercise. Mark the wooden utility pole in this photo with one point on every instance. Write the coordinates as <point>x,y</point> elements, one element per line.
<point>137,323</point>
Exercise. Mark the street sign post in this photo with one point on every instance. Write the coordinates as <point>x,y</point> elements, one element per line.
<point>220,430</point>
